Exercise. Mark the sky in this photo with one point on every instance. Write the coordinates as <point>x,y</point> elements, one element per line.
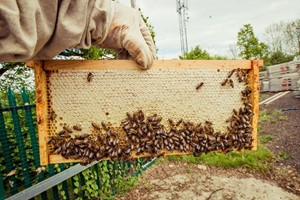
<point>213,24</point>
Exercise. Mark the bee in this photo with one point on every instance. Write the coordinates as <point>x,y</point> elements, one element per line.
<point>99,155</point>
<point>129,116</point>
<point>171,122</point>
<point>77,127</point>
<point>231,83</point>
<point>68,129</point>
<point>230,73</point>
<point>141,115</point>
<point>96,126</point>
<point>199,85</point>
<point>208,123</point>
<point>89,77</point>
<point>160,154</point>
<point>52,115</point>
<point>224,82</point>
<point>236,117</point>
<point>51,141</point>
<point>58,150</point>
<point>69,143</point>
<point>249,105</point>
<point>179,122</point>
<point>61,132</point>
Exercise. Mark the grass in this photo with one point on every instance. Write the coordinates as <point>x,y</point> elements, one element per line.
<point>272,116</point>
<point>148,186</point>
<point>282,155</point>
<point>126,185</point>
<point>264,139</point>
<point>260,160</point>
<point>188,169</point>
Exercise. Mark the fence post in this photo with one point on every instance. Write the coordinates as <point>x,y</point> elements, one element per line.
<point>54,189</point>
<point>6,152</point>
<point>64,184</point>
<point>2,191</point>
<point>33,139</point>
<point>19,137</point>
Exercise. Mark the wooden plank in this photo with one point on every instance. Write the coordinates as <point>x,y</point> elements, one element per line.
<point>41,110</point>
<point>55,158</point>
<point>270,98</point>
<point>254,83</point>
<point>31,64</point>
<point>277,97</point>
<point>157,64</point>
<point>50,182</point>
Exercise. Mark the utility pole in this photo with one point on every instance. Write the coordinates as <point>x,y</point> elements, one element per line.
<point>182,8</point>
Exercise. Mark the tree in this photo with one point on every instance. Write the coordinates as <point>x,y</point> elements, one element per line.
<point>279,57</point>
<point>284,37</point>
<point>199,54</point>
<point>15,75</point>
<point>234,51</point>
<point>293,35</point>
<point>275,37</point>
<point>249,45</point>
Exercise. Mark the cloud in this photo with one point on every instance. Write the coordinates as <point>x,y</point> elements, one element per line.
<point>213,24</point>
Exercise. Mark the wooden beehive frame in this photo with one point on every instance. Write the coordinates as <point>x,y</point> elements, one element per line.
<point>40,68</point>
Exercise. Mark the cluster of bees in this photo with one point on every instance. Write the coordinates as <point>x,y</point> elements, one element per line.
<point>141,135</point>
<point>240,74</point>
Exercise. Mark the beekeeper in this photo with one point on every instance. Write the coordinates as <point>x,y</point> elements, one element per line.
<point>39,30</point>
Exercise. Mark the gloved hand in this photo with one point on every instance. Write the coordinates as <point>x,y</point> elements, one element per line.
<point>52,26</point>
<point>128,34</point>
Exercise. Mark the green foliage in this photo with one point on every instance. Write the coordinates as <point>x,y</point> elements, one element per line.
<point>266,138</point>
<point>13,145</point>
<point>260,160</point>
<point>16,76</point>
<point>249,45</point>
<point>274,58</point>
<point>280,57</point>
<point>198,53</point>
<point>96,53</point>
<point>61,191</point>
<point>114,177</point>
<point>91,189</point>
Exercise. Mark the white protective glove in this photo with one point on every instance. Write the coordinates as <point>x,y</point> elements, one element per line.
<point>128,34</point>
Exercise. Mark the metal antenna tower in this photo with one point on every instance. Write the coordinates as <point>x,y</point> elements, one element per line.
<point>182,8</point>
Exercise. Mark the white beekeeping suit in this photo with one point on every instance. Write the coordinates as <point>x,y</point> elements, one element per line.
<point>41,29</point>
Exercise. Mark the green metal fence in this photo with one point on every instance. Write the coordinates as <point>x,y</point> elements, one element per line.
<point>19,158</point>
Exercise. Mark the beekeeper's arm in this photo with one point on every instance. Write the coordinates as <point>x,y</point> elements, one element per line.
<point>41,29</point>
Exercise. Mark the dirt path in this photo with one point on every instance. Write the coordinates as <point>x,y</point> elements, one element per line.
<point>180,180</point>
<point>285,134</point>
<point>169,180</point>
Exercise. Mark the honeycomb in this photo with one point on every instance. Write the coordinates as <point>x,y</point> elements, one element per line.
<point>109,94</point>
